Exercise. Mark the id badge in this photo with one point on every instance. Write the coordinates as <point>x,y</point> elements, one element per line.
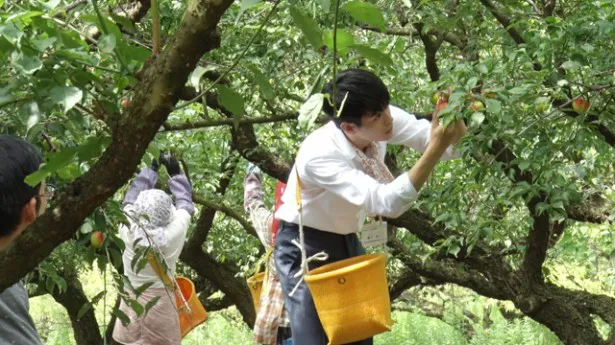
<point>373,234</point>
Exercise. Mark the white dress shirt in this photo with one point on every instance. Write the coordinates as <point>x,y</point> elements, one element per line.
<point>336,194</point>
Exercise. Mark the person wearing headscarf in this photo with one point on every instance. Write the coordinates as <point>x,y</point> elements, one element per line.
<point>157,223</point>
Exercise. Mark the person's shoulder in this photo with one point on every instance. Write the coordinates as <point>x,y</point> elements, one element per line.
<point>398,112</point>
<point>319,142</point>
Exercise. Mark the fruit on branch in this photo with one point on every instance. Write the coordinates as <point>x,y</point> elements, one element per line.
<point>124,103</point>
<point>477,106</point>
<point>96,239</point>
<point>441,105</point>
<point>580,105</point>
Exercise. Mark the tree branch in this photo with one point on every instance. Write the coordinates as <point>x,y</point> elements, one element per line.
<point>206,217</point>
<point>448,270</point>
<point>224,277</point>
<point>135,13</point>
<point>229,122</point>
<point>164,78</point>
<point>431,50</point>
<point>408,279</point>
<point>228,211</point>
<point>505,21</point>
<point>549,7</point>
<point>85,327</point>
<point>448,37</point>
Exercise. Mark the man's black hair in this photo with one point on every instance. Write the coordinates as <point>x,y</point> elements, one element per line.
<point>18,159</point>
<point>367,95</point>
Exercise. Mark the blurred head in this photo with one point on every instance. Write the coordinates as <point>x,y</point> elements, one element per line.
<point>365,113</point>
<point>20,204</point>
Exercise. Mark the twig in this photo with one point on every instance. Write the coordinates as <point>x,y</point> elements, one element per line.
<point>52,147</point>
<point>104,28</point>
<point>228,122</point>
<point>235,63</point>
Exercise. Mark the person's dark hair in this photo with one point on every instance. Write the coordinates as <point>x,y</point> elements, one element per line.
<point>18,159</point>
<point>367,94</point>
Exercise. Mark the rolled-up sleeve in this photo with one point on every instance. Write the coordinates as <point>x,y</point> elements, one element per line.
<point>339,177</point>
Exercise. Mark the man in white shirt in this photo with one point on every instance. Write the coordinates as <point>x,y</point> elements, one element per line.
<point>343,179</point>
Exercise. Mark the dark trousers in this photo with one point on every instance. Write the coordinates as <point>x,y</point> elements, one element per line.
<point>304,322</point>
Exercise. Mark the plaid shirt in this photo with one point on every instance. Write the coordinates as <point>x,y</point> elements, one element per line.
<point>272,313</point>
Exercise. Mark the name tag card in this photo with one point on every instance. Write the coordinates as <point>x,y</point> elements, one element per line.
<point>373,234</point>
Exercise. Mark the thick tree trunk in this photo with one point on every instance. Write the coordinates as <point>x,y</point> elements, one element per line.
<point>223,277</point>
<point>85,328</point>
<point>165,79</point>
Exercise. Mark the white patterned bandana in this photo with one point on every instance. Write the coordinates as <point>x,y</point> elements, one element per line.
<point>151,213</point>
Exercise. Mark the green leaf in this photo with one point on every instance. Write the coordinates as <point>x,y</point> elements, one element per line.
<point>25,63</point>
<point>231,100</point>
<point>493,105</point>
<point>116,257</point>
<point>84,308</point>
<point>49,285</point>
<point>44,43</point>
<point>373,55</point>
<point>247,4</point>
<point>5,48</point>
<point>24,17</point>
<point>98,297</point>
<point>68,96</point>
<point>477,119</point>
<point>136,306</point>
<point>308,26</point>
<point>56,162</point>
<point>141,289</point>
<point>112,28</point>
<point>93,148</point>
<point>32,121</point>
<point>60,282</point>
<point>310,109</point>
<point>34,114</point>
<point>471,83</point>
<point>524,165</point>
<point>325,4</point>
<point>345,40</point>
<point>151,303</point>
<point>263,83</point>
<point>36,177</point>
<point>139,261</point>
<point>51,4</point>
<point>134,53</point>
<point>106,44</point>
<point>366,13</point>
<point>571,65</point>
<point>12,33</point>
<point>454,249</point>
<point>126,23</point>
<point>69,172</point>
<point>122,317</point>
<point>482,68</point>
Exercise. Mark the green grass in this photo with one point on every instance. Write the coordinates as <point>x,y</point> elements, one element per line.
<point>225,327</point>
